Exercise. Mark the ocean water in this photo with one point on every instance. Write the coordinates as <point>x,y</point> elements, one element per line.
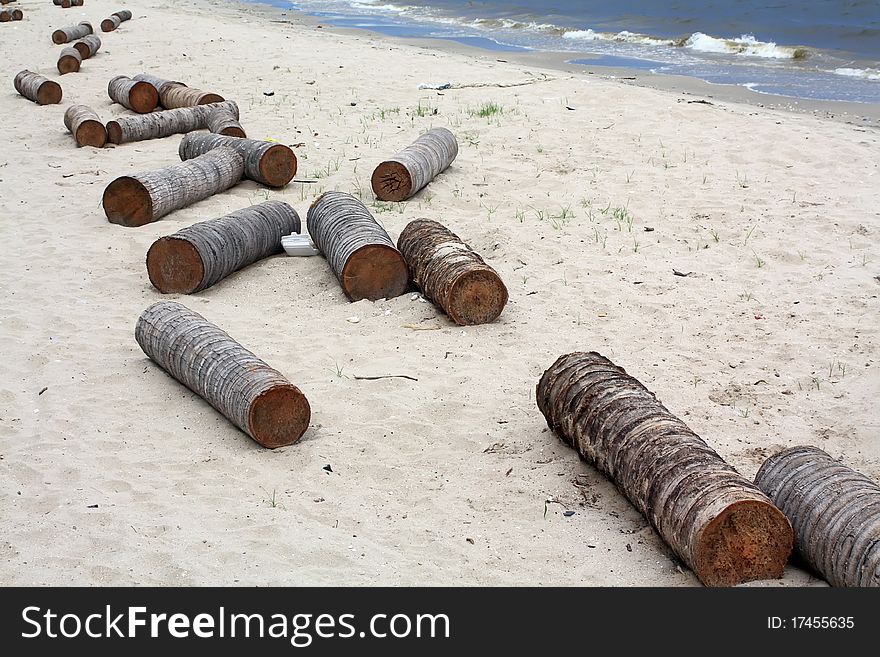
<point>819,49</point>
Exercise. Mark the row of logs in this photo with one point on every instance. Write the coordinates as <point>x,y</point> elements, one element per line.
<point>71,58</point>
<point>115,20</point>
<point>67,4</point>
<point>7,15</point>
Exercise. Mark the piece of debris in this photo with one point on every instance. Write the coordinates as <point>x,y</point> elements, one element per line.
<point>385,376</point>
<point>268,93</point>
<point>470,540</point>
<point>42,391</point>
<point>327,468</point>
<point>675,272</point>
<point>568,514</point>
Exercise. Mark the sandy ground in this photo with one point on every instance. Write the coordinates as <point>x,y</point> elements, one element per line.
<point>584,193</point>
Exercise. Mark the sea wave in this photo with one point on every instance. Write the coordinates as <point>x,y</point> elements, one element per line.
<point>746,44</point>
<point>863,73</point>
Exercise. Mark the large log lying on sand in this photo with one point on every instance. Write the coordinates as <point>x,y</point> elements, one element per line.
<point>203,254</point>
<point>145,197</point>
<point>140,97</point>
<point>174,94</point>
<point>88,46</point>
<point>37,88</point>
<point>719,523</point>
<point>415,166</point>
<point>835,512</point>
<point>115,20</point>
<point>7,15</point>
<point>265,162</point>
<point>69,61</point>
<point>67,34</point>
<point>85,126</point>
<point>359,251</point>
<point>451,274</point>
<point>256,398</point>
<point>223,122</point>
<point>155,125</point>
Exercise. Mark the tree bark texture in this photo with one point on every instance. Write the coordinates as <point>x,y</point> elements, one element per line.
<point>145,197</point>
<point>69,61</point>
<point>256,398</point>
<point>155,125</point>
<point>37,88</point>
<point>719,523</point>
<point>88,46</point>
<point>835,512</point>
<point>451,274</point>
<point>140,97</point>
<point>173,94</point>
<point>205,253</point>
<point>223,122</point>
<point>265,162</point>
<point>415,166</point>
<point>358,249</point>
<point>67,34</point>
<point>85,126</point>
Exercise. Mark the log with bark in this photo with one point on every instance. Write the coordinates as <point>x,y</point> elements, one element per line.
<point>256,398</point>
<point>7,15</point>
<point>37,88</point>
<point>223,122</point>
<point>145,197</point>
<point>67,34</point>
<point>155,125</point>
<point>88,46</point>
<point>835,512</point>
<point>201,255</point>
<point>415,166</point>
<point>67,4</point>
<point>173,95</point>
<point>85,126</point>
<point>718,522</point>
<point>140,97</point>
<point>358,249</point>
<point>265,162</point>
<point>451,274</point>
<point>115,20</point>
<point>69,61</point>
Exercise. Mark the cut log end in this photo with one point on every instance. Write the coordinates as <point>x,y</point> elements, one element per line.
<point>747,541</point>
<point>108,25</point>
<point>391,181</point>
<point>127,202</point>
<point>476,297</point>
<point>143,97</point>
<point>373,272</point>
<point>211,98</point>
<point>91,133</point>
<point>68,64</point>
<point>49,93</point>
<point>59,37</point>
<point>279,416</point>
<point>278,165</point>
<point>175,266</point>
<point>233,131</point>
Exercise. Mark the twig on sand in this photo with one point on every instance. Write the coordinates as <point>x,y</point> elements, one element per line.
<point>419,327</point>
<point>386,376</point>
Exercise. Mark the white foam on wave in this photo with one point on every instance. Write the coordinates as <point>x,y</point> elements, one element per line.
<point>747,45</point>
<point>863,73</point>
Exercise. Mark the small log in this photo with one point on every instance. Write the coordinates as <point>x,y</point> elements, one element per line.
<point>155,125</point>
<point>110,23</point>
<point>222,122</point>
<point>265,162</point>
<point>67,34</point>
<point>718,522</point>
<point>37,88</point>
<point>203,254</point>
<point>415,166</point>
<point>7,15</point>
<point>256,398</point>
<point>358,249</point>
<point>88,46</point>
<point>174,94</point>
<point>140,97</point>
<point>451,274</point>
<point>835,512</point>
<point>124,15</point>
<point>85,126</point>
<point>69,61</point>
<point>145,197</point>
<point>67,4</point>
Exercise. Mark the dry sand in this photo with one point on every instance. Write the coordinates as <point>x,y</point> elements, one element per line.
<point>112,473</point>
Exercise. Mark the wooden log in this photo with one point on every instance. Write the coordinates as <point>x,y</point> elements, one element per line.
<point>124,15</point>
<point>67,4</point>
<point>415,166</point>
<point>67,34</point>
<point>155,125</point>
<point>110,23</point>
<point>358,249</point>
<point>222,122</point>
<point>835,512</point>
<point>451,274</point>
<point>719,523</point>
<point>69,61</point>
<point>37,88</point>
<point>265,162</point>
<point>145,197</point>
<point>85,126</point>
<point>8,15</point>
<point>256,398</point>
<point>88,46</point>
<point>173,95</point>
<point>201,255</point>
<point>140,97</point>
